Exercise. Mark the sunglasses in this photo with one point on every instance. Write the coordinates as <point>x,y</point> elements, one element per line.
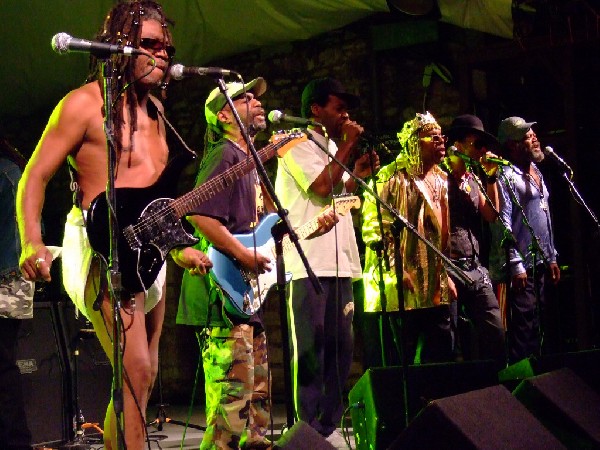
<point>435,138</point>
<point>156,45</point>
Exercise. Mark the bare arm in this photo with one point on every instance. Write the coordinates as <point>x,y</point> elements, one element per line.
<point>488,211</point>
<point>64,132</point>
<point>332,173</point>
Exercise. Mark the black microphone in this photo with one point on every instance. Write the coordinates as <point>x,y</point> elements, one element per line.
<point>549,151</point>
<point>179,71</point>
<point>498,161</point>
<point>276,116</point>
<point>453,151</point>
<point>63,43</point>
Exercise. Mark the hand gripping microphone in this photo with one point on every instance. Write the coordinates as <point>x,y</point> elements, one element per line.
<point>63,43</point>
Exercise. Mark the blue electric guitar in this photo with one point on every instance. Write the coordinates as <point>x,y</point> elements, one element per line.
<point>244,291</point>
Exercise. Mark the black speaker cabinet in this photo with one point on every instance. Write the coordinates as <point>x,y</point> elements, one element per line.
<point>42,368</point>
<point>93,372</point>
<point>566,405</point>
<point>302,437</point>
<point>585,364</point>
<point>377,399</point>
<point>489,418</point>
<point>46,358</point>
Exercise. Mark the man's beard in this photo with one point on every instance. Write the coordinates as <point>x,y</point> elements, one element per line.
<point>257,126</point>
<point>535,155</point>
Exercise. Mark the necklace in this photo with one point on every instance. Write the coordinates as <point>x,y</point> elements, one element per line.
<point>434,189</point>
<point>539,187</point>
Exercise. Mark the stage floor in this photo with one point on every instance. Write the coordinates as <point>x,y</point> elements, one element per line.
<point>173,436</point>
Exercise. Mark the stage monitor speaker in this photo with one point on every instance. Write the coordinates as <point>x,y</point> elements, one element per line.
<point>377,399</point>
<point>489,418</point>
<point>566,405</point>
<point>586,364</point>
<point>302,437</point>
<point>42,370</point>
<point>94,372</point>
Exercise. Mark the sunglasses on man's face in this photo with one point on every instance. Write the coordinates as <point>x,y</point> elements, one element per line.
<point>156,45</point>
<point>435,138</point>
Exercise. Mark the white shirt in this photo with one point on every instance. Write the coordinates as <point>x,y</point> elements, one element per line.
<point>296,171</point>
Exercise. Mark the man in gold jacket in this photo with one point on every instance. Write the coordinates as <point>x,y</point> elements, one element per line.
<point>417,188</point>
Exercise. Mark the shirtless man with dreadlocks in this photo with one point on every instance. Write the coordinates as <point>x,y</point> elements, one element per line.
<point>75,134</point>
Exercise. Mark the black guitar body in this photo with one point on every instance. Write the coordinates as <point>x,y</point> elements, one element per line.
<point>147,229</point>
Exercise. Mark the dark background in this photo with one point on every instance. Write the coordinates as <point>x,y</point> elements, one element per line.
<point>547,73</point>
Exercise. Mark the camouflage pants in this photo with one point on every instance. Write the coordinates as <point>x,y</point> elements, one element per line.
<point>237,388</point>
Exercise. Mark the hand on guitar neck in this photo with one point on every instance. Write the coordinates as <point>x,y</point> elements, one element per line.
<point>326,220</point>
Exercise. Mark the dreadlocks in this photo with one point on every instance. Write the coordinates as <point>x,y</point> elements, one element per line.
<point>122,26</point>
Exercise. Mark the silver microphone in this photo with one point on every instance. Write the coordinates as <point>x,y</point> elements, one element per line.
<point>549,151</point>
<point>178,71</point>
<point>276,116</point>
<point>63,43</point>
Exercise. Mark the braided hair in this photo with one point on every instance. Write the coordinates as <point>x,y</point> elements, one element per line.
<point>122,26</point>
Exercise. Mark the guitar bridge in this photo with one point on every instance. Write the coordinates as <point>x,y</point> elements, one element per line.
<point>131,238</point>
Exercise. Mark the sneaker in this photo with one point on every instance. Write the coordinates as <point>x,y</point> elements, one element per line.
<point>337,440</point>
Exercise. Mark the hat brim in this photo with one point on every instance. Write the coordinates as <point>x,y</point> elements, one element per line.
<point>258,87</point>
<point>489,140</point>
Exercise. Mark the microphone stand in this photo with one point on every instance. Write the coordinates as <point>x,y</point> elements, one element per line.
<point>579,199</point>
<point>381,251</point>
<point>279,231</point>
<point>508,241</point>
<point>115,288</point>
<point>400,223</point>
<point>535,248</point>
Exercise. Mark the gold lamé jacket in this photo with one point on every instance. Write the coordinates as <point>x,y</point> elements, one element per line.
<point>406,194</point>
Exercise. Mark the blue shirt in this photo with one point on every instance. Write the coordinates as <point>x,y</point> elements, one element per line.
<point>536,208</point>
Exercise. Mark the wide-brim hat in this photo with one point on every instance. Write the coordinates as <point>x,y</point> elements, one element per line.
<point>216,100</point>
<point>467,124</point>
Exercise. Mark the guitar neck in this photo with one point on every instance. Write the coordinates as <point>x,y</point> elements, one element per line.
<point>342,206</point>
<point>302,232</point>
<point>189,201</point>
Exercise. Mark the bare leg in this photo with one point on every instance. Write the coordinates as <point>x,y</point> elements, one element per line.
<point>138,370</point>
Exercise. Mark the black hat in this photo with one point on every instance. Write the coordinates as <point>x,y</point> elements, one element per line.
<point>466,124</point>
<point>319,90</point>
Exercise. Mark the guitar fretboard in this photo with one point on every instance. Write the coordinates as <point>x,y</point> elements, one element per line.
<point>189,201</point>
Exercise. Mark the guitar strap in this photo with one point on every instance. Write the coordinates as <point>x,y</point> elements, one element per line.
<point>170,125</point>
<point>75,189</point>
